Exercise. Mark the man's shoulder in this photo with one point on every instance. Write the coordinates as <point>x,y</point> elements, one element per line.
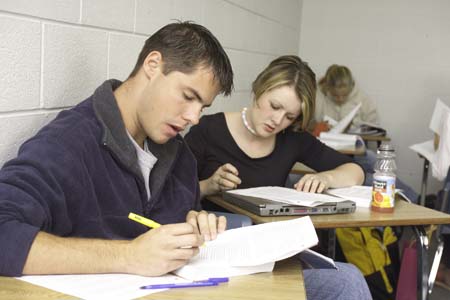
<point>73,125</point>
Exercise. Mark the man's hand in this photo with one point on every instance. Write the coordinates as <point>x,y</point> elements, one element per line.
<point>163,249</point>
<point>225,178</point>
<point>313,183</point>
<point>208,225</point>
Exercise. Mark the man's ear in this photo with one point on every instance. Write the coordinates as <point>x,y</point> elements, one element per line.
<point>152,64</point>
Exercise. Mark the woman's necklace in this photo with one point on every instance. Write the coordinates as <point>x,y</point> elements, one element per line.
<point>244,120</point>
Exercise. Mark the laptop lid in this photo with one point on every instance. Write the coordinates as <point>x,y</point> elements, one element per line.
<point>265,207</point>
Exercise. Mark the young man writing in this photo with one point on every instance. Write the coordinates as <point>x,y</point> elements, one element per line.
<point>65,199</point>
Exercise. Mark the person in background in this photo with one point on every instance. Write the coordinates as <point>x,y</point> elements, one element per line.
<point>337,95</point>
<point>259,146</point>
<point>64,200</point>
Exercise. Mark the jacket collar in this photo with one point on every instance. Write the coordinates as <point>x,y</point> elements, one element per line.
<point>115,138</point>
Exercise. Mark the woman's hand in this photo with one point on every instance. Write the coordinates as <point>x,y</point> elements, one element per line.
<point>313,183</point>
<point>225,178</point>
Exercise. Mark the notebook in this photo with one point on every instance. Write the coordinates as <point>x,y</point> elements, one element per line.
<point>261,201</point>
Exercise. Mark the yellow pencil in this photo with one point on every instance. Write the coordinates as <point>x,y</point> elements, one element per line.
<point>143,221</point>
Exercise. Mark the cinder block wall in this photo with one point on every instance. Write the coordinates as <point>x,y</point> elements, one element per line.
<point>54,53</point>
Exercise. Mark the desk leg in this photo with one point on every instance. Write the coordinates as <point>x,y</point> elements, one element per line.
<point>423,189</point>
<point>332,243</point>
<point>422,262</point>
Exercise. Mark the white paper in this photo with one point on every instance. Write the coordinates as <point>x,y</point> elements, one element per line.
<point>102,286</point>
<point>441,162</point>
<point>287,195</point>
<point>426,149</point>
<point>360,194</point>
<point>339,141</point>
<point>251,249</point>
<point>343,124</point>
<point>200,270</point>
<point>436,119</point>
<point>332,122</point>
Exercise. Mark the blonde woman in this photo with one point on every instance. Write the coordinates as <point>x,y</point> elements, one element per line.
<point>338,94</point>
<point>259,145</point>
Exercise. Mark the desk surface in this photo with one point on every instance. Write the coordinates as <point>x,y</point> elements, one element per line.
<point>404,214</point>
<point>286,282</point>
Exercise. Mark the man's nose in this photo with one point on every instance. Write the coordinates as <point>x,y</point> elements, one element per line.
<point>192,114</point>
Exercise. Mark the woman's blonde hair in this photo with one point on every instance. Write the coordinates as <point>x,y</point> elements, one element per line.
<point>290,70</point>
<point>336,77</point>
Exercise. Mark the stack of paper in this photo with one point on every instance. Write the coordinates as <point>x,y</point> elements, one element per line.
<point>240,251</point>
<point>287,195</point>
<point>250,249</point>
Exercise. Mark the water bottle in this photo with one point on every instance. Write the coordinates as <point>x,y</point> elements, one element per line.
<point>383,190</point>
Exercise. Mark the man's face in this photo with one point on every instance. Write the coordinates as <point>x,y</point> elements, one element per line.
<point>172,102</point>
<point>340,94</point>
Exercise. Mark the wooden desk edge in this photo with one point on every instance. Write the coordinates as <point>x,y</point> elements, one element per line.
<point>362,218</point>
<point>279,284</point>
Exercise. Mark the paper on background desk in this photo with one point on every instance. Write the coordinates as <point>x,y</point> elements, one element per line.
<point>340,141</point>
<point>251,249</point>
<point>101,286</point>
<point>287,195</point>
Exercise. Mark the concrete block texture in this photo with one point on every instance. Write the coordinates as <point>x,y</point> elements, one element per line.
<point>54,53</point>
<point>189,10</point>
<point>152,15</point>
<point>123,54</point>
<point>17,129</point>
<point>61,10</point>
<point>117,14</point>
<point>75,63</point>
<point>20,61</point>
<point>286,12</point>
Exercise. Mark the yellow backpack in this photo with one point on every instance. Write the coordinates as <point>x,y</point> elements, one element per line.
<point>375,253</point>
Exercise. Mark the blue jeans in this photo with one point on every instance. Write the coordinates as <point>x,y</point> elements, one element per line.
<point>346,283</point>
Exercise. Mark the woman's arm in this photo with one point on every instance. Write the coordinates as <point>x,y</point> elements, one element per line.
<point>344,175</point>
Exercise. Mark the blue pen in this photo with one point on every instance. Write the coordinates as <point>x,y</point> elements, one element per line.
<point>218,279</point>
<point>179,285</point>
